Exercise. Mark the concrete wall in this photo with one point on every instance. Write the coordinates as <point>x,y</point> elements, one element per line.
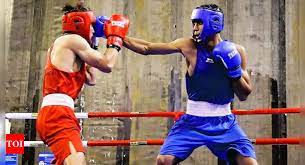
<point>295,25</point>
<point>140,83</point>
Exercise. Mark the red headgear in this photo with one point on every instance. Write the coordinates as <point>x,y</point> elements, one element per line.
<point>79,23</point>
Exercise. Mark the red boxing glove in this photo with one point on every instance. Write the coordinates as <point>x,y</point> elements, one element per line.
<point>115,31</point>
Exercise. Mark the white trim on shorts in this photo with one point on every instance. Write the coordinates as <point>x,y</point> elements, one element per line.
<point>58,99</point>
<point>204,109</point>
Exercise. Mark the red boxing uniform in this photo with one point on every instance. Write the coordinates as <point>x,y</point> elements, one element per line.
<point>56,121</point>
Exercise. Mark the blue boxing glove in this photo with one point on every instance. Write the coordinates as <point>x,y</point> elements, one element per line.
<point>230,57</point>
<point>99,26</point>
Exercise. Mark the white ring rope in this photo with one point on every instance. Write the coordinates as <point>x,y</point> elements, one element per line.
<point>34,115</point>
<point>41,144</point>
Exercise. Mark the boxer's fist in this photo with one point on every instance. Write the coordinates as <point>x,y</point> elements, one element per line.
<point>115,30</point>
<point>117,26</point>
<point>230,57</point>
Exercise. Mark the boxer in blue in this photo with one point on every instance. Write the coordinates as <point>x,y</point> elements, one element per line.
<point>216,70</point>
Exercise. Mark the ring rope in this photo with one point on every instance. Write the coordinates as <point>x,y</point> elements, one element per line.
<point>93,143</point>
<point>156,114</point>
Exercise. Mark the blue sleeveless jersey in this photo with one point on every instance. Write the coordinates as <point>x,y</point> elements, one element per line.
<point>209,81</point>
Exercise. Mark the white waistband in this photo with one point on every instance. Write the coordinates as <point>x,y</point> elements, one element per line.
<point>58,99</point>
<point>202,108</point>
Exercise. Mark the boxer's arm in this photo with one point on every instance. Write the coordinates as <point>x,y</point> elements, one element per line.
<point>148,48</point>
<point>80,46</point>
<point>242,87</point>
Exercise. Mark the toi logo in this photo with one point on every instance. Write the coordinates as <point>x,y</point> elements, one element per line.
<point>14,143</point>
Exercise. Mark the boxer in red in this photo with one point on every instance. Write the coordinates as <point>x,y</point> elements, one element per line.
<point>70,63</point>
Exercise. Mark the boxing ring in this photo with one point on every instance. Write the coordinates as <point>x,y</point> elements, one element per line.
<point>174,115</point>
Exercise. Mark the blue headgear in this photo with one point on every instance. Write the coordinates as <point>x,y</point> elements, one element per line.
<point>213,22</point>
<point>99,26</point>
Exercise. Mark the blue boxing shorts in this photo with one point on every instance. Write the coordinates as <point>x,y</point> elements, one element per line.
<point>220,134</point>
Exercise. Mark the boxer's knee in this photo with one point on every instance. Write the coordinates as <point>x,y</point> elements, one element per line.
<point>75,158</point>
<point>167,160</point>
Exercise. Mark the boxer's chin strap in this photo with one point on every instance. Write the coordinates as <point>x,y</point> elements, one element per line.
<point>94,47</point>
<point>199,42</point>
<point>94,43</point>
<point>197,39</point>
